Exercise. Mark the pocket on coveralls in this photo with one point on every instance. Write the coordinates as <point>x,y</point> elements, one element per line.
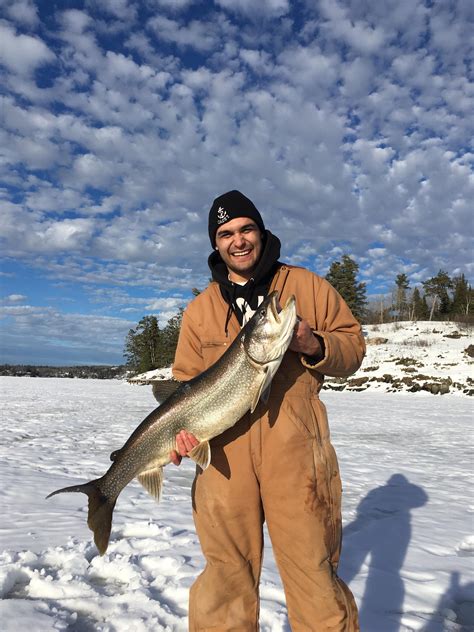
<point>213,349</point>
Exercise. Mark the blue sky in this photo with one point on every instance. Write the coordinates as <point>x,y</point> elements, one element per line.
<point>348,122</point>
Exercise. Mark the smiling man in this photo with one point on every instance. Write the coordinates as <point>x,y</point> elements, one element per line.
<point>277,464</point>
<point>239,243</point>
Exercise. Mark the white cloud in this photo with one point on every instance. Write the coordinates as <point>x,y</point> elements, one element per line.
<point>308,69</point>
<point>358,76</point>
<point>195,34</point>
<point>176,5</point>
<point>250,8</point>
<point>87,337</point>
<point>258,60</point>
<point>359,34</point>
<point>22,53</point>
<point>22,11</point>
<point>349,135</point>
<point>121,9</point>
<point>15,298</point>
<point>75,21</point>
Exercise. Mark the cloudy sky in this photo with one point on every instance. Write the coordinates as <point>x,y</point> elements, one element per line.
<point>348,122</point>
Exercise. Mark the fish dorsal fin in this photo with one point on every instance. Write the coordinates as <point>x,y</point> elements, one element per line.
<point>152,481</point>
<point>115,454</point>
<point>201,454</point>
<point>162,389</point>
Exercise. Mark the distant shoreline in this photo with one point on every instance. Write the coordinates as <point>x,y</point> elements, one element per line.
<point>104,372</point>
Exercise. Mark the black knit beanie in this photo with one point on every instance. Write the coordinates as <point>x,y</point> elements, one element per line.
<point>229,206</point>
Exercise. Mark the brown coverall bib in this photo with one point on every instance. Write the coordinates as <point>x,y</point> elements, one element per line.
<point>276,465</point>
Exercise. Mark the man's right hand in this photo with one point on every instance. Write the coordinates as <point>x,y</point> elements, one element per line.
<point>185,442</point>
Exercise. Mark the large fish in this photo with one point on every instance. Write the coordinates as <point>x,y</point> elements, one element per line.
<point>206,406</point>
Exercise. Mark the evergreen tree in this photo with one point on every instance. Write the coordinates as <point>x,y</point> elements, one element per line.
<point>438,288</point>
<point>425,308</point>
<point>401,304</point>
<point>462,296</point>
<point>342,275</point>
<point>148,347</point>
<point>419,307</point>
<point>169,339</point>
<point>142,345</point>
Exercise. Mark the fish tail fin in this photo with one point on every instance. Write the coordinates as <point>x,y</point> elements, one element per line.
<point>101,509</point>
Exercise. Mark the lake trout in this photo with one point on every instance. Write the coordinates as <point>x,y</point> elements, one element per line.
<point>205,406</point>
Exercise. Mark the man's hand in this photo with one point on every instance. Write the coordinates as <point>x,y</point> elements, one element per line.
<point>185,442</point>
<point>304,341</point>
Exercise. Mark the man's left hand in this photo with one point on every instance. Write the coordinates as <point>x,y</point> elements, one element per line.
<point>304,341</point>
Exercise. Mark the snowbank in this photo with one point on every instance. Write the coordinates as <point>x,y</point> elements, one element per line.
<point>403,356</point>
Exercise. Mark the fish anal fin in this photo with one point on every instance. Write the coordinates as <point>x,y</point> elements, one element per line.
<point>152,481</point>
<point>201,454</point>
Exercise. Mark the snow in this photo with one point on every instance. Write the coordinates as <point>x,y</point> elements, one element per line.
<point>414,356</point>
<point>406,462</point>
<point>401,356</point>
<point>152,376</point>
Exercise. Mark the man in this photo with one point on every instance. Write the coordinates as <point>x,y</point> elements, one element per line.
<point>276,464</point>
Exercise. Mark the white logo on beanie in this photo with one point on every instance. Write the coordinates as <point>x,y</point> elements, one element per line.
<point>222,216</point>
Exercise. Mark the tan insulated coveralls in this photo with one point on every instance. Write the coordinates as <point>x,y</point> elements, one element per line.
<point>277,465</point>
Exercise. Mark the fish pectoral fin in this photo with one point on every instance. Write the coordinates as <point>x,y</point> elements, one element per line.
<point>265,395</point>
<point>152,481</point>
<point>201,454</point>
<point>263,391</point>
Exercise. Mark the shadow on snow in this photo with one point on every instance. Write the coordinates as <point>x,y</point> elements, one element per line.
<point>379,537</point>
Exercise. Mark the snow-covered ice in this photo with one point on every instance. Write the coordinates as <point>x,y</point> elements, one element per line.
<point>408,554</point>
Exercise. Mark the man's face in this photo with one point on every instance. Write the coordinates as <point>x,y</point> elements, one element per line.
<point>239,243</point>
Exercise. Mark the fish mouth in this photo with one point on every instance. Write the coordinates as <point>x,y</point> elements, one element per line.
<point>274,305</point>
<point>277,309</point>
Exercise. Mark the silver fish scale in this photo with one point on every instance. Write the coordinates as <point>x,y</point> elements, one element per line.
<point>206,411</point>
<point>205,406</point>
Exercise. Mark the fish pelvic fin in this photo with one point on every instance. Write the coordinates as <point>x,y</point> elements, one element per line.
<point>152,481</point>
<point>201,454</point>
<point>101,509</point>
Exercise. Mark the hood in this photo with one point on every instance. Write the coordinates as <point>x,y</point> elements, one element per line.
<point>243,300</point>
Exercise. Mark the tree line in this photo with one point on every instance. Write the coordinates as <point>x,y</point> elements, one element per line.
<point>101,372</point>
<point>440,297</point>
<point>148,347</point>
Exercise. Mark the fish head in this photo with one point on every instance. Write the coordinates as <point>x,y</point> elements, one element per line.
<point>268,333</point>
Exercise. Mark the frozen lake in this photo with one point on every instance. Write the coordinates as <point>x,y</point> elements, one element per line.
<point>407,469</point>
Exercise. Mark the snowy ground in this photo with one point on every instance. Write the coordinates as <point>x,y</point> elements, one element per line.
<point>417,354</point>
<point>407,468</point>
<point>402,356</point>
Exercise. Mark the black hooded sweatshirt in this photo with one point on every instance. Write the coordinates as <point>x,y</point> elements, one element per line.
<point>243,300</point>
